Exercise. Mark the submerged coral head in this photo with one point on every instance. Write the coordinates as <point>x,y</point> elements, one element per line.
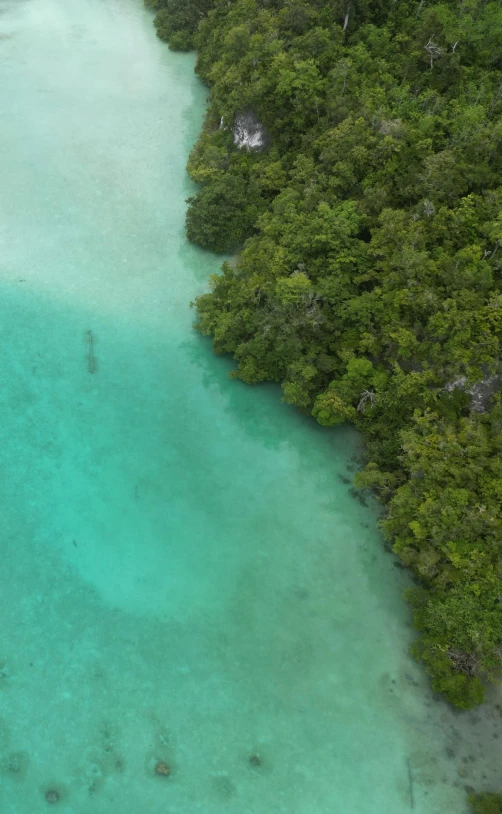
<point>52,796</point>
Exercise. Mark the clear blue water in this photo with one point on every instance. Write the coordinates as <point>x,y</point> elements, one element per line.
<point>185,576</point>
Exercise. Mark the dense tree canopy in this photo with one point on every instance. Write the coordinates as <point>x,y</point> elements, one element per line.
<point>369,284</point>
<point>177,21</point>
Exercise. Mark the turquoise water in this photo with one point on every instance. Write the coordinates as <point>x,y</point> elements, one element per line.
<point>185,575</point>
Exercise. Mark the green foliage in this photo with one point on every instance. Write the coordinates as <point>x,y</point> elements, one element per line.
<point>223,214</point>
<point>369,284</point>
<point>486,803</point>
<point>176,21</point>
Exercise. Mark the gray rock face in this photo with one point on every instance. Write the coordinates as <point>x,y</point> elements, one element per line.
<point>480,392</point>
<point>249,132</point>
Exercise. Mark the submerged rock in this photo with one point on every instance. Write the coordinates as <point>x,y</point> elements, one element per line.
<point>162,769</point>
<point>249,132</point>
<point>52,796</point>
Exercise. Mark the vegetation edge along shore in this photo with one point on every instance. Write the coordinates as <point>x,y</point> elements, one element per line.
<point>368,223</point>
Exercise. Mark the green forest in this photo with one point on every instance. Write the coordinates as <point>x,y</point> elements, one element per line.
<point>367,233</point>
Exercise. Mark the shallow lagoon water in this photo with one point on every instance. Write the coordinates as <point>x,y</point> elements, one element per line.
<point>185,574</point>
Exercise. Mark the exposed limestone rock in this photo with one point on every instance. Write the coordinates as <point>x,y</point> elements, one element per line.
<point>480,392</point>
<point>249,132</point>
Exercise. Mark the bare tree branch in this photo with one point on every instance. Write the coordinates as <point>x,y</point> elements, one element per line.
<point>346,21</point>
<point>434,50</point>
<point>365,397</point>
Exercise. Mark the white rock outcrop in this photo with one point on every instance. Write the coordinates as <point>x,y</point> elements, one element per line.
<point>249,132</point>
<point>480,392</point>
